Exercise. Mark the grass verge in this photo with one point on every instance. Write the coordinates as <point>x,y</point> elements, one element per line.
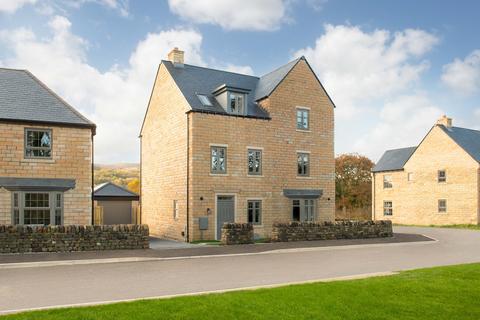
<point>437,293</point>
<point>452,226</point>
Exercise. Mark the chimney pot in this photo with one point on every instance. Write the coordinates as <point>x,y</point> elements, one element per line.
<point>445,121</point>
<point>176,56</point>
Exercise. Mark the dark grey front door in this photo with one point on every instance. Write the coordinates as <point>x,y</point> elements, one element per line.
<point>225,212</point>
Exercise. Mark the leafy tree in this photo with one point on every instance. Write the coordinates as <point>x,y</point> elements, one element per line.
<point>353,180</point>
<point>134,185</point>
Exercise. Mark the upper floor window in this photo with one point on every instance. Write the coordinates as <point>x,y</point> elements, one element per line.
<point>442,176</point>
<point>254,162</point>
<point>387,208</point>
<point>254,211</point>
<point>38,143</point>
<point>236,103</point>
<point>387,182</point>
<point>303,164</point>
<point>303,119</point>
<point>219,159</point>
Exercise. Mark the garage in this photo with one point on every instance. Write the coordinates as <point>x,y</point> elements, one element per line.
<point>115,205</point>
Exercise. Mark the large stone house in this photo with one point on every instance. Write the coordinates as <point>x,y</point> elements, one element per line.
<point>45,155</point>
<point>218,147</point>
<point>435,183</point>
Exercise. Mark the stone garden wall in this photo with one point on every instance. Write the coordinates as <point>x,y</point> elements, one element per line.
<point>237,233</point>
<point>296,231</point>
<point>20,239</point>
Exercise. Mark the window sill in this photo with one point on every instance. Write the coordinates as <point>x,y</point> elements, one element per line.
<point>38,160</point>
<point>257,226</point>
<point>219,174</point>
<point>255,175</point>
<point>303,130</point>
<point>442,213</point>
<point>304,177</point>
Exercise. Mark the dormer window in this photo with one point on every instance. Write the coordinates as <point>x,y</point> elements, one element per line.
<point>236,103</point>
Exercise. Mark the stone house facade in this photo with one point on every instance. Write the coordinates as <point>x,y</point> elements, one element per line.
<point>221,147</point>
<point>435,183</point>
<point>45,155</point>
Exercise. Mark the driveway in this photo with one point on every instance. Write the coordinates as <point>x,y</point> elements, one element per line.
<point>27,288</point>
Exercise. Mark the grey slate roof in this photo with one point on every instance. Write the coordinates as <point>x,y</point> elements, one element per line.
<point>25,98</point>
<point>109,189</point>
<point>468,139</point>
<point>32,184</point>
<point>394,159</point>
<point>193,80</point>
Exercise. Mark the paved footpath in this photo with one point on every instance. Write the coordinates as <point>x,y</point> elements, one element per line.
<point>80,284</point>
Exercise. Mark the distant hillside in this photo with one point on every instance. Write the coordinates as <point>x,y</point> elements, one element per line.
<point>123,174</point>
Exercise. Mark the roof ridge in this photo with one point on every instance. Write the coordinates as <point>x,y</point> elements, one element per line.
<point>403,148</point>
<point>470,129</point>
<point>218,70</point>
<point>59,98</point>
<point>283,65</point>
<point>12,69</point>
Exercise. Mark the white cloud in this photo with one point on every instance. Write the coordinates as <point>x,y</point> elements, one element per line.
<point>403,122</point>
<point>463,76</point>
<point>237,69</point>
<point>358,67</point>
<point>10,6</point>
<point>116,99</point>
<point>232,14</point>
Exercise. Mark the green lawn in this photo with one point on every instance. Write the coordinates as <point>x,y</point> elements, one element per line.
<point>438,293</point>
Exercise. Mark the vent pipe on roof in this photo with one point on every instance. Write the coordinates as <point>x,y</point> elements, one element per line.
<point>176,56</point>
<point>445,121</point>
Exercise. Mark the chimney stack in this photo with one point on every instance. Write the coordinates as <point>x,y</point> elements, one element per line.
<point>446,121</point>
<point>176,57</point>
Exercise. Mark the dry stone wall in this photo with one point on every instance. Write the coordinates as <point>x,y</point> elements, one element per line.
<point>22,239</point>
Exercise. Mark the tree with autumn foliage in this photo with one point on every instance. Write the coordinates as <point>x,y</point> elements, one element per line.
<point>134,185</point>
<point>353,180</point>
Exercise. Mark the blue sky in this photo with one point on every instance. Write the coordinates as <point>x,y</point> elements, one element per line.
<point>392,67</point>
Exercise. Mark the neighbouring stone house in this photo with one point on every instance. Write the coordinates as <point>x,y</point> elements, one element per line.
<point>45,155</point>
<point>436,182</point>
<point>219,147</point>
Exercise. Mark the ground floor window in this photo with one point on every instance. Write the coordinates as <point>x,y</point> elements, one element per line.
<point>303,210</point>
<point>442,206</point>
<point>37,208</point>
<point>254,211</point>
<point>387,208</point>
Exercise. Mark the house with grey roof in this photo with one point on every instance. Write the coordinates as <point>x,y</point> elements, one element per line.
<point>434,183</point>
<point>219,146</point>
<point>46,155</point>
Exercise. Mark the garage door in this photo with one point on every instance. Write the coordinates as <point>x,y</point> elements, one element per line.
<point>116,212</point>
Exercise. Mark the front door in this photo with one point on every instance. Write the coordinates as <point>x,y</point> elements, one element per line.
<point>303,210</point>
<point>225,212</point>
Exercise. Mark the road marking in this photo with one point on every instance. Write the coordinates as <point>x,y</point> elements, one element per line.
<point>169,296</point>
<point>56,263</point>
